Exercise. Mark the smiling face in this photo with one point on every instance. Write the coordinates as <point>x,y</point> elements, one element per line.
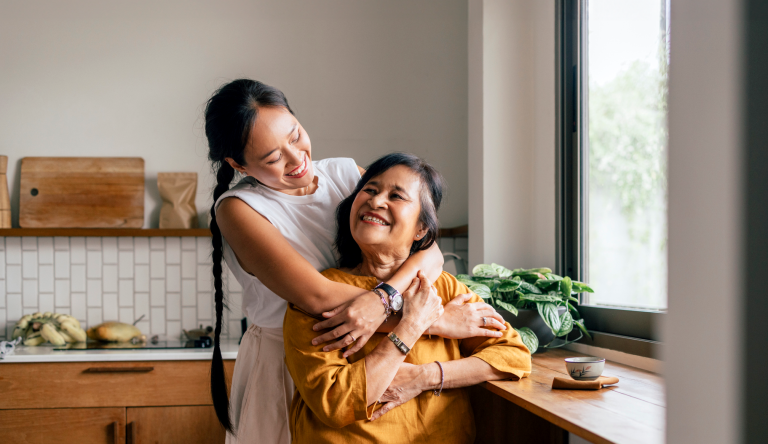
<point>385,213</point>
<point>278,153</point>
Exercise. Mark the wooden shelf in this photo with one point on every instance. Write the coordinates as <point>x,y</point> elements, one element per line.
<point>105,232</point>
<point>462,231</point>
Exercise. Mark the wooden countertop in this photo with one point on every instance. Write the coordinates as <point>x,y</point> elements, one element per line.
<point>633,411</point>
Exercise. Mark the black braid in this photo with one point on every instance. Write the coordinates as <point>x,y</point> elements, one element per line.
<point>229,116</point>
<point>218,378</point>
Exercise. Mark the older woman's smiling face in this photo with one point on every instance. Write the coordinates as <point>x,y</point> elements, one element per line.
<point>385,213</point>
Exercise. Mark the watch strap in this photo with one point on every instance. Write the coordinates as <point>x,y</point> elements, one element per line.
<point>398,343</point>
<point>391,291</point>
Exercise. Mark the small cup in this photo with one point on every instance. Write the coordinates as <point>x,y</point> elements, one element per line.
<point>586,368</point>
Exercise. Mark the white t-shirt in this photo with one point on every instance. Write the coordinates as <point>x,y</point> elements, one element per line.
<point>308,223</point>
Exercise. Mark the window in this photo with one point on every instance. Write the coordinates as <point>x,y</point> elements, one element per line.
<point>613,64</point>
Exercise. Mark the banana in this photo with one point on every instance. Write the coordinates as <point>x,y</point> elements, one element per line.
<point>47,315</point>
<point>67,318</point>
<point>37,314</point>
<point>67,338</point>
<point>21,326</point>
<point>34,339</point>
<point>49,332</point>
<point>73,331</point>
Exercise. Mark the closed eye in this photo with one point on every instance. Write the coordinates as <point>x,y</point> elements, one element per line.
<point>275,161</point>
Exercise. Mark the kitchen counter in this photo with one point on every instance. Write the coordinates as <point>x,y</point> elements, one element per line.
<point>45,353</point>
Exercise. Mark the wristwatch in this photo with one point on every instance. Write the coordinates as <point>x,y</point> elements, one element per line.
<point>395,298</point>
<point>398,343</point>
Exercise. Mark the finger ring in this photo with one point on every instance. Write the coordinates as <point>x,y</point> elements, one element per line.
<point>484,321</point>
<point>353,338</point>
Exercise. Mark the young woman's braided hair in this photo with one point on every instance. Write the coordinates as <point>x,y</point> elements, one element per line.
<point>229,117</point>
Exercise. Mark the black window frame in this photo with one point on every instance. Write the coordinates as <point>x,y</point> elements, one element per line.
<point>631,330</point>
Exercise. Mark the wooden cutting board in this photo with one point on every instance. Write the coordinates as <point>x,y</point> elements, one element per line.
<point>81,192</point>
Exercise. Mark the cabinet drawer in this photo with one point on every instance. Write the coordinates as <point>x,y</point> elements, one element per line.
<point>84,426</point>
<point>106,384</point>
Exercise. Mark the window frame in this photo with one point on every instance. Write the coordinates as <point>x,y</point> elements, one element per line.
<point>629,325</point>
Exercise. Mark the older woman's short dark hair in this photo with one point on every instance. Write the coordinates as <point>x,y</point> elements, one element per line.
<point>432,188</point>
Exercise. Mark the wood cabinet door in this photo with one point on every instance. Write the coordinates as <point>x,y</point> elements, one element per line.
<point>83,426</point>
<point>186,424</point>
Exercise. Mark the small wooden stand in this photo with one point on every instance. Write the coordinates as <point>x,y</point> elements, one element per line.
<point>5,200</point>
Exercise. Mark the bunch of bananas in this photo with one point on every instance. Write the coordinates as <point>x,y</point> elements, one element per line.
<point>56,328</point>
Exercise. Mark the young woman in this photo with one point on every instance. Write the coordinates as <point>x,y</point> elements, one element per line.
<point>278,228</point>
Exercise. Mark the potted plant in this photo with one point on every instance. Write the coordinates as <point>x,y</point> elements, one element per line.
<point>540,304</point>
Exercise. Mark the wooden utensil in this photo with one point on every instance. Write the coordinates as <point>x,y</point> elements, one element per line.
<point>82,192</point>
<point>5,200</point>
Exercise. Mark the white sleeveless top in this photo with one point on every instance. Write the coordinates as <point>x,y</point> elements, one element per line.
<point>308,223</point>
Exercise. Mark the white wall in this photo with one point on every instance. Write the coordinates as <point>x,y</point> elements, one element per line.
<point>98,78</point>
<point>512,132</point>
<point>702,331</point>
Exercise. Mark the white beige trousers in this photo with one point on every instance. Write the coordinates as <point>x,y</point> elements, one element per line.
<point>262,389</point>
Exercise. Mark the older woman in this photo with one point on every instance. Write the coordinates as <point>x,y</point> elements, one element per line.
<point>391,214</point>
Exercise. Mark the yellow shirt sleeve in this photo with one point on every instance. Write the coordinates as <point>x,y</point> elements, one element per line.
<point>334,389</point>
<point>507,353</point>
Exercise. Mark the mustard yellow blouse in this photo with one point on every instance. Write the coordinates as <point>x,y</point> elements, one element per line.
<point>329,405</point>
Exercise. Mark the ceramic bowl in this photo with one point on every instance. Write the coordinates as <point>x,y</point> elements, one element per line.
<point>585,368</point>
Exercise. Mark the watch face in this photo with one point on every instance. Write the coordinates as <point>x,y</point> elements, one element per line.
<point>396,302</point>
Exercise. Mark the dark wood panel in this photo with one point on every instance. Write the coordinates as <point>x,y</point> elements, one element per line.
<point>44,426</point>
<point>185,424</point>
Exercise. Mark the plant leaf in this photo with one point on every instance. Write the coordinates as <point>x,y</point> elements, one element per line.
<point>573,309</point>
<point>548,312</point>
<point>525,287</point>
<point>546,284</point>
<point>463,277</point>
<point>508,285</point>
<point>506,306</point>
<point>552,276</point>
<point>529,338</point>
<point>539,270</point>
<point>484,270</point>
<point>541,298</point>
<point>581,287</point>
<point>565,286</point>
<point>580,323</point>
<point>566,324</point>
<point>479,289</point>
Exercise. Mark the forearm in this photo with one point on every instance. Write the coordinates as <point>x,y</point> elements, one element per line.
<point>429,261</point>
<point>463,373</point>
<point>382,363</point>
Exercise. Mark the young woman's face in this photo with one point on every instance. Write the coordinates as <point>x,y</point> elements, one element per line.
<point>279,153</point>
<point>385,213</point>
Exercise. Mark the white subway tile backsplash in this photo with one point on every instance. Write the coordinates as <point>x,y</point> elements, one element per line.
<point>46,279</point>
<point>77,250</point>
<point>141,278</point>
<point>188,243</point>
<point>157,264</point>
<point>61,243</point>
<point>126,315</point>
<point>93,292</point>
<point>94,259</point>
<point>141,250</point>
<point>13,250</point>
<point>78,306</point>
<point>141,305</point>
<point>29,293</point>
<point>109,305</point>
<point>61,264</point>
<point>94,279</point>
<point>109,279</point>
<point>125,264</point>
<point>45,250</point>
<point>157,321</point>
<point>13,278</point>
<point>188,293</point>
<point>46,303</point>
<point>173,306</point>
<point>29,264</point>
<point>61,290</point>
<point>77,277</point>
<point>172,250</point>
<point>29,243</point>
<point>94,317</point>
<point>94,243</point>
<point>157,243</point>
<point>173,278</point>
<point>3,332</point>
<point>125,293</point>
<point>188,264</point>
<point>157,293</point>
<point>125,243</point>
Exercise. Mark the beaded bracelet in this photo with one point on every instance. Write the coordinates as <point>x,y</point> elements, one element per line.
<point>387,308</point>
<point>442,379</point>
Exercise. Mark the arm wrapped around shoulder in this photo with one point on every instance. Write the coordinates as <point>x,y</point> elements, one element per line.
<point>331,387</point>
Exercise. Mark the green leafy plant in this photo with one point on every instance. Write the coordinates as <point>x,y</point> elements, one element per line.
<point>532,289</point>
